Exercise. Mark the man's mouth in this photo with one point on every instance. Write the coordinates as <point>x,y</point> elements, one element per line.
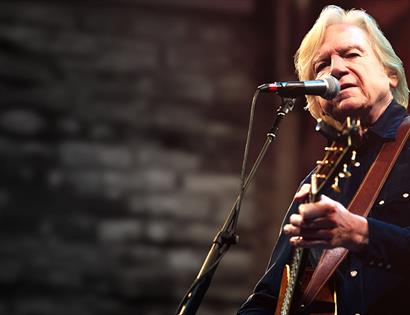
<point>345,86</point>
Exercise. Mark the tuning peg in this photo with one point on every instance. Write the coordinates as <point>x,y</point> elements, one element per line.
<point>335,185</point>
<point>345,173</point>
<point>322,162</point>
<point>353,159</point>
<point>354,155</point>
<point>331,149</point>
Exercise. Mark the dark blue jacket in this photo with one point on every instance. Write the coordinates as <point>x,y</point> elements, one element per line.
<point>376,280</point>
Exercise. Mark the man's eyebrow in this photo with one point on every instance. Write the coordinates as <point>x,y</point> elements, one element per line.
<point>350,47</point>
<point>339,50</point>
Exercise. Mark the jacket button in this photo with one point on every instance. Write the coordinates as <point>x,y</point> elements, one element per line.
<point>371,262</point>
<point>388,266</point>
<point>353,273</point>
<point>406,195</point>
<point>381,202</point>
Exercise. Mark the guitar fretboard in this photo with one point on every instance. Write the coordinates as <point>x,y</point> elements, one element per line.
<point>293,276</point>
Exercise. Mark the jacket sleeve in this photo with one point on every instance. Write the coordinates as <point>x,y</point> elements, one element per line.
<point>388,248</point>
<point>389,222</point>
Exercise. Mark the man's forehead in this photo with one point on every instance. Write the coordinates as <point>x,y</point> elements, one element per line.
<point>342,37</point>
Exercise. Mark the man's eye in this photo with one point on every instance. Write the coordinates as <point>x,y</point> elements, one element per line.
<point>320,66</point>
<point>352,55</point>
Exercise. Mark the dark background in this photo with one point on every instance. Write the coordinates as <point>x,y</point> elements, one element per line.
<point>122,126</point>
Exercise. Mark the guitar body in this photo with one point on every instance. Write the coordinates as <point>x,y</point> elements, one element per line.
<point>324,303</point>
<point>282,291</point>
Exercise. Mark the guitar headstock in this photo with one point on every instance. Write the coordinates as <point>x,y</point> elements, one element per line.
<point>338,156</point>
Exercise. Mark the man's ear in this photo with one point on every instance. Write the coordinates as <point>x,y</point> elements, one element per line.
<point>393,78</point>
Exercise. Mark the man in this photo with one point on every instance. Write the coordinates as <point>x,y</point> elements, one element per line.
<point>375,276</point>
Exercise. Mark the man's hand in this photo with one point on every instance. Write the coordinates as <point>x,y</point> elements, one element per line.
<point>326,224</point>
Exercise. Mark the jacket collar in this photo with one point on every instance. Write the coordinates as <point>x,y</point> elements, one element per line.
<point>388,123</point>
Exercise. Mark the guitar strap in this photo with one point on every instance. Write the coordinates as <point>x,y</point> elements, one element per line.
<point>361,204</point>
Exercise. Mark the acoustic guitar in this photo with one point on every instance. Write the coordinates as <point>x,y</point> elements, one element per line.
<point>333,167</point>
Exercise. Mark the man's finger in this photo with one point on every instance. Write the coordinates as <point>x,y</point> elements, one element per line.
<point>296,219</point>
<point>319,235</point>
<point>302,193</point>
<point>322,208</point>
<point>306,243</point>
<point>317,223</point>
<point>290,229</point>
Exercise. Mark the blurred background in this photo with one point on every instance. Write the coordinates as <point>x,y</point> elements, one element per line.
<point>122,128</point>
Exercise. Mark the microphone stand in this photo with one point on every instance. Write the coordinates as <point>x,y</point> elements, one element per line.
<point>227,236</point>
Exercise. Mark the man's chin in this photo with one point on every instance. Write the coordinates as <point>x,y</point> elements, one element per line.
<point>349,109</point>
<point>349,104</point>
<point>346,108</point>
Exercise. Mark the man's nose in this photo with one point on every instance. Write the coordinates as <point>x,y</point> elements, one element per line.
<point>338,67</point>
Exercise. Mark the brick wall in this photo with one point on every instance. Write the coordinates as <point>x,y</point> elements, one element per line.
<point>121,134</point>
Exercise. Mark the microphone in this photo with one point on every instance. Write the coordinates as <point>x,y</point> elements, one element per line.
<point>327,88</point>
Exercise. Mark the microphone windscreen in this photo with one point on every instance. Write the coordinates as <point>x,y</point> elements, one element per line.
<point>333,87</point>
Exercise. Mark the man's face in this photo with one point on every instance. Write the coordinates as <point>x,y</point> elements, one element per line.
<point>346,54</point>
